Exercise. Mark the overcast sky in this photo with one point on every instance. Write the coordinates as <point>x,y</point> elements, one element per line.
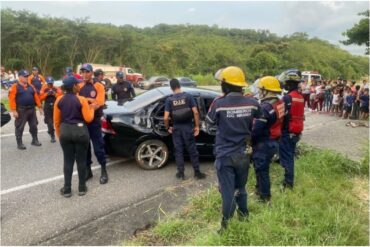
<point>323,19</point>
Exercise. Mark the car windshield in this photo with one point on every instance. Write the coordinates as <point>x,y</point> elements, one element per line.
<point>143,100</point>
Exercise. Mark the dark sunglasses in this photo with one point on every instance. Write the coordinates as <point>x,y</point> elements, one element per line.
<point>85,71</point>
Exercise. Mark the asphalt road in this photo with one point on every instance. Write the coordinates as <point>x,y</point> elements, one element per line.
<point>33,211</point>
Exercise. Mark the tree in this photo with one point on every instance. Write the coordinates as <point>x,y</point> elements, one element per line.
<point>359,33</point>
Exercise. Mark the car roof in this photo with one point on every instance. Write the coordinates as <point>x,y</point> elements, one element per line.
<point>154,95</point>
<point>193,91</point>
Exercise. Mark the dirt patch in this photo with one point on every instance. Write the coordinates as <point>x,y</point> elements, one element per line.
<point>361,189</point>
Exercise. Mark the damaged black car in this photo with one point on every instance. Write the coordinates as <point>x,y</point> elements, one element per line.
<point>136,128</point>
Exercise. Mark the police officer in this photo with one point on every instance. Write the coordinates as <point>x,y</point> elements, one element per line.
<point>233,114</point>
<point>183,110</point>
<point>123,90</point>
<point>71,113</point>
<point>23,98</point>
<point>99,77</point>
<point>266,133</point>
<point>292,124</point>
<point>49,93</point>
<point>36,80</point>
<point>94,93</point>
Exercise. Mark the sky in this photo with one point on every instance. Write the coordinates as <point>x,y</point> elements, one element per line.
<point>323,19</point>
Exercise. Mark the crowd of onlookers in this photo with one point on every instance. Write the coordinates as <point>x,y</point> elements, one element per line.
<point>337,97</point>
<point>8,78</point>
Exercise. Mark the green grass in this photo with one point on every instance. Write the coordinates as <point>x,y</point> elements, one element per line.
<point>327,207</point>
<point>5,102</point>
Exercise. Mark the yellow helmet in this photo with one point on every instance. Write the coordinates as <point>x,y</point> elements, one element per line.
<point>270,83</point>
<point>232,75</point>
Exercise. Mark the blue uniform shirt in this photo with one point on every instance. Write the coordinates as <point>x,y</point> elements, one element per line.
<point>190,102</point>
<point>233,114</point>
<point>70,108</point>
<point>261,127</point>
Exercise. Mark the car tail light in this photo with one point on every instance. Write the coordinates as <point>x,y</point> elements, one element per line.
<point>106,126</point>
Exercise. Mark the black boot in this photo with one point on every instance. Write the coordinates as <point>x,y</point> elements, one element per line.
<point>66,191</point>
<point>104,175</point>
<point>52,140</point>
<point>35,141</point>
<point>89,173</point>
<point>82,190</point>
<point>199,175</point>
<point>223,226</point>
<point>180,175</point>
<point>20,144</point>
<point>285,186</point>
<point>242,216</point>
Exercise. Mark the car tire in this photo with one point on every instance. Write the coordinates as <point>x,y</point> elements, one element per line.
<point>151,154</point>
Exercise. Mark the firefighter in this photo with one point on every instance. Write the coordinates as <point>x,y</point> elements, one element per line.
<point>94,93</point>
<point>36,80</point>
<point>123,90</point>
<point>48,94</point>
<point>266,133</point>
<point>183,111</point>
<point>233,114</point>
<point>23,98</point>
<point>71,113</point>
<point>292,124</point>
<point>99,77</point>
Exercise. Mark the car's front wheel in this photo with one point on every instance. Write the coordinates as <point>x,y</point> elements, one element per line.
<point>151,154</point>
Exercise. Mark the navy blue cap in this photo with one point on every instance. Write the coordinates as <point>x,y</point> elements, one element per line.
<point>120,74</point>
<point>69,70</point>
<point>49,80</point>
<point>70,81</point>
<point>87,67</point>
<point>35,68</point>
<point>23,72</point>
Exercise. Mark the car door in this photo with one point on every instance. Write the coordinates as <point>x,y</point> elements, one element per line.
<point>206,139</point>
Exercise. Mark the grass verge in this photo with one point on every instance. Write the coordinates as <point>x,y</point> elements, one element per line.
<point>325,208</point>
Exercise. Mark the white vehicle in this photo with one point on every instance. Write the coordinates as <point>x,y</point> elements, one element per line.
<point>309,75</point>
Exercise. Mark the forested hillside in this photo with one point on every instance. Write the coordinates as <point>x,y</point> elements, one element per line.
<point>53,43</point>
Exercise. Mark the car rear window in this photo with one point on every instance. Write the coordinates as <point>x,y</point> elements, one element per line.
<point>143,100</point>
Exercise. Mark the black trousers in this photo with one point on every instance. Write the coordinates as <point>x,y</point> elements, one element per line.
<point>48,117</point>
<point>74,139</point>
<point>26,115</point>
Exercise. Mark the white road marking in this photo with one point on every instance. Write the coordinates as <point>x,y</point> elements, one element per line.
<point>24,133</point>
<point>48,180</point>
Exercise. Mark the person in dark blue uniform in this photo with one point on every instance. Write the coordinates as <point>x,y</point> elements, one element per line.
<point>95,94</point>
<point>49,94</point>
<point>71,113</point>
<point>123,90</point>
<point>292,126</point>
<point>266,133</point>
<point>23,98</point>
<point>36,80</point>
<point>233,114</point>
<point>183,110</point>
